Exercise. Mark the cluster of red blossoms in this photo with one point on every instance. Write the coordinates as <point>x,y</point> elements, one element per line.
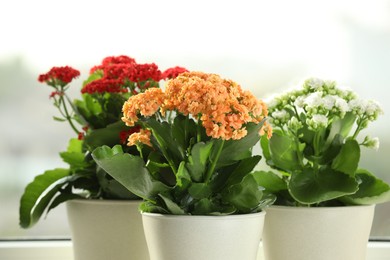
<point>123,74</point>
<point>62,74</point>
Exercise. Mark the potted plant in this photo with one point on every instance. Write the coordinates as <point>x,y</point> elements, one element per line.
<point>95,201</point>
<point>200,196</point>
<point>314,158</point>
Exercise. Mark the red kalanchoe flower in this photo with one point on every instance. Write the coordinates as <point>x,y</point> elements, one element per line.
<point>104,85</point>
<point>146,72</point>
<point>56,93</point>
<point>173,72</point>
<point>119,71</point>
<point>63,74</point>
<point>112,60</point>
<point>81,136</point>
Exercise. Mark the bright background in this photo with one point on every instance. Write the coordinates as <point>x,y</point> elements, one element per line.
<point>266,46</point>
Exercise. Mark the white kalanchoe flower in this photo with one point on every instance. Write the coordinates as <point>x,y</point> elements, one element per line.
<point>317,121</point>
<point>321,120</point>
<point>315,84</point>
<point>300,101</point>
<point>373,108</point>
<point>341,105</point>
<point>280,116</point>
<point>314,100</point>
<point>371,142</point>
<point>294,123</point>
<point>329,102</point>
<point>357,106</point>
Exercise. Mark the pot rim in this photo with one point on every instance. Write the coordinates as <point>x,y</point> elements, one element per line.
<point>205,217</point>
<point>331,208</point>
<point>103,201</point>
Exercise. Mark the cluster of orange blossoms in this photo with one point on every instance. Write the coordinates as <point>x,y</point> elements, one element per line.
<point>220,104</point>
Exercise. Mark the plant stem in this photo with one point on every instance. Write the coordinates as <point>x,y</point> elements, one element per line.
<point>67,116</point>
<point>164,151</point>
<point>214,162</point>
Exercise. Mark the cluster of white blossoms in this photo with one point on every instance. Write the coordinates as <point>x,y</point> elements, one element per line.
<point>317,104</point>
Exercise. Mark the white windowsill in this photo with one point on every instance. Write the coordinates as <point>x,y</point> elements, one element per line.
<point>62,250</point>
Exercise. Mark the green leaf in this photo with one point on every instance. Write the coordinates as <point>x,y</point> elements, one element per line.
<point>341,127</point>
<point>128,170</point>
<point>270,181</point>
<point>244,167</point>
<point>264,143</point>
<point>245,195</point>
<point>148,206</point>
<point>371,190</point>
<point>59,119</point>
<point>105,136</point>
<point>348,158</point>
<point>172,207</point>
<point>308,187</point>
<point>62,197</point>
<point>38,195</point>
<point>208,207</point>
<point>284,152</point>
<point>198,160</point>
<point>163,139</point>
<point>234,151</point>
<point>111,188</point>
<point>200,190</point>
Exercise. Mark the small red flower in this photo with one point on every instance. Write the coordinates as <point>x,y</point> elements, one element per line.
<point>104,85</point>
<point>113,60</point>
<point>56,93</point>
<point>63,74</point>
<point>173,72</point>
<point>81,136</point>
<point>144,72</point>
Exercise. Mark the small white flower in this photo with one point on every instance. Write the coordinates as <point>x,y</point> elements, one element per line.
<point>281,115</point>
<point>329,102</point>
<point>371,142</point>
<point>341,105</point>
<point>373,108</point>
<point>358,106</point>
<point>294,123</point>
<point>320,120</point>
<point>314,100</point>
<point>315,83</point>
<point>300,101</point>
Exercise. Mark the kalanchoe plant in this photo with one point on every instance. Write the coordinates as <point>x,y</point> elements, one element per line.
<point>315,148</point>
<point>96,121</point>
<point>201,130</point>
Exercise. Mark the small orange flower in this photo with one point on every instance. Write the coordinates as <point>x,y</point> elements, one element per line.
<point>146,104</point>
<point>141,137</point>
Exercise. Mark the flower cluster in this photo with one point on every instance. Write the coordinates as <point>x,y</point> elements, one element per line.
<point>124,74</point>
<point>96,121</point>
<point>322,102</point>
<point>59,76</point>
<point>220,104</point>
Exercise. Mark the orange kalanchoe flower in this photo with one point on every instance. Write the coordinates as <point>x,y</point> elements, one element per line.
<point>143,137</point>
<point>220,104</point>
<point>224,108</point>
<point>146,104</point>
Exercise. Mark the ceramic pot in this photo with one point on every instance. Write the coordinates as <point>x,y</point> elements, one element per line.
<point>179,237</point>
<point>323,233</point>
<point>106,229</point>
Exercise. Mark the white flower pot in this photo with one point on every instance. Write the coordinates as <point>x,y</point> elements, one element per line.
<point>184,237</point>
<point>106,229</point>
<point>323,233</point>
